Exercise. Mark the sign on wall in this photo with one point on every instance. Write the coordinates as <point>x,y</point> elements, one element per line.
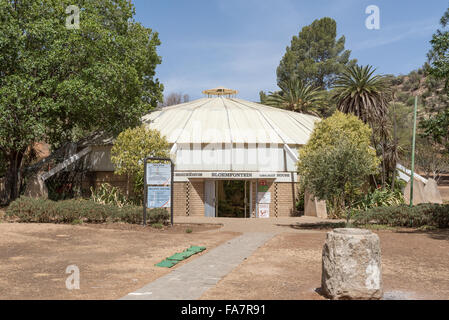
<point>262,186</point>
<point>263,210</point>
<point>263,197</point>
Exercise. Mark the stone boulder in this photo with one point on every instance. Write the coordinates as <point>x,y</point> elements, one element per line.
<point>313,207</point>
<point>351,265</point>
<point>432,193</point>
<point>418,192</point>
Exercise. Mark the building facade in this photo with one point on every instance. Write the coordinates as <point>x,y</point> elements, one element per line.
<point>232,157</point>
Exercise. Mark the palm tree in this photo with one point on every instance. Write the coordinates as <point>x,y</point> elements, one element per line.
<point>297,96</point>
<point>357,90</point>
<point>360,92</point>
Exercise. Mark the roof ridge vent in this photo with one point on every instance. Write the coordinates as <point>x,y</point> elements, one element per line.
<point>220,91</point>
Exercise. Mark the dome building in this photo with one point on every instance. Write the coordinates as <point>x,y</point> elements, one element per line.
<point>233,158</point>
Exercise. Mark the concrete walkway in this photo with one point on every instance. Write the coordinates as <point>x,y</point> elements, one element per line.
<point>191,280</point>
<point>271,225</point>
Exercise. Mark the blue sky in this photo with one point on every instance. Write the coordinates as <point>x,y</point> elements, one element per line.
<point>239,43</point>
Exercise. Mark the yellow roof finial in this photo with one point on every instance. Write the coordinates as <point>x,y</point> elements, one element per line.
<point>220,91</point>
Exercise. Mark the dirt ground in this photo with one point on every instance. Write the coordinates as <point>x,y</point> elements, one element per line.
<point>415,266</point>
<point>113,259</point>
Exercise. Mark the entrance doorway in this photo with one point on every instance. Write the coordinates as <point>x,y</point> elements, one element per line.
<point>233,198</point>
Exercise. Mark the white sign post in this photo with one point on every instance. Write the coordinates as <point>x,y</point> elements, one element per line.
<point>158,186</point>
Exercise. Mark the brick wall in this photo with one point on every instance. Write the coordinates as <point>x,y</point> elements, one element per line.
<point>284,198</point>
<point>180,198</point>
<point>195,200</point>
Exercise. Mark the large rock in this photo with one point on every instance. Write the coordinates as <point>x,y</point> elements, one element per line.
<point>314,207</point>
<point>418,192</point>
<point>351,266</point>
<point>431,192</point>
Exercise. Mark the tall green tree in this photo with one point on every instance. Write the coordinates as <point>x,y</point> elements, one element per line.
<point>358,91</point>
<point>297,96</point>
<point>437,126</point>
<point>315,56</point>
<point>55,80</point>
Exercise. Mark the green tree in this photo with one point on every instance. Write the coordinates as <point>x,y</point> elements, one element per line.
<point>130,149</point>
<point>335,163</point>
<point>437,126</point>
<point>297,96</point>
<point>55,81</point>
<point>358,91</point>
<point>315,56</point>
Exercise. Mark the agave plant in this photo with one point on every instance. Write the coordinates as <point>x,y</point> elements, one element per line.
<point>297,96</point>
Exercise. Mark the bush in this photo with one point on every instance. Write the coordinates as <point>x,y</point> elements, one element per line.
<point>159,215</point>
<point>404,216</point>
<point>107,194</point>
<point>27,209</point>
<point>380,198</point>
<point>336,161</point>
<point>133,145</point>
<point>131,214</point>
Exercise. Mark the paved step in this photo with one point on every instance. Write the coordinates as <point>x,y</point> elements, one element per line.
<point>191,280</point>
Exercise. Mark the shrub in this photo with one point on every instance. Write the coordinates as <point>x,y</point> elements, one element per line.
<point>159,215</point>
<point>131,147</point>
<point>404,216</point>
<point>380,198</point>
<point>131,214</point>
<point>27,209</point>
<point>108,194</point>
<point>336,161</point>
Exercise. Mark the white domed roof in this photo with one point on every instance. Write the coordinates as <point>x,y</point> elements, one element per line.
<point>230,120</point>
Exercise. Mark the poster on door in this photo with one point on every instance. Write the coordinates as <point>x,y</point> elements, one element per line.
<point>263,197</point>
<point>263,210</point>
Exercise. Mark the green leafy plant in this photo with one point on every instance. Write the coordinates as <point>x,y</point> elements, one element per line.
<point>25,209</point>
<point>404,216</point>
<point>380,198</point>
<point>297,96</point>
<point>108,194</point>
<point>159,215</point>
<point>55,81</point>
<point>189,230</point>
<point>335,163</point>
<point>130,149</point>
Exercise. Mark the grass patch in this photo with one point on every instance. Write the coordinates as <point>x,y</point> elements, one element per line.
<point>77,221</point>
<point>157,225</point>
<point>189,230</point>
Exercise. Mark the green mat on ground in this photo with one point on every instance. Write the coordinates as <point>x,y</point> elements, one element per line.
<point>178,257</point>
<point>166,264</point>
<point>196,249</point>
<point>181,256</point>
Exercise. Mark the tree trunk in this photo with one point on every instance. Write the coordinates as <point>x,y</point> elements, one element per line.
<point>13,174</point>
